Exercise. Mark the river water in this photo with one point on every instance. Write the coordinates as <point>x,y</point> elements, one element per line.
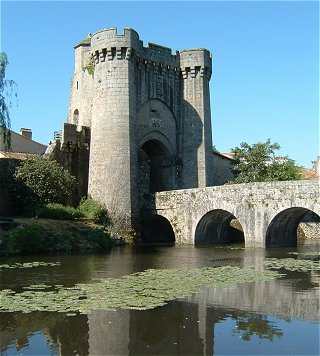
<point>275,317</point>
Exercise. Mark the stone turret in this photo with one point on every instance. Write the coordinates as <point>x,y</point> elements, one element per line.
<point>80,106</point>
<point>196,70</point>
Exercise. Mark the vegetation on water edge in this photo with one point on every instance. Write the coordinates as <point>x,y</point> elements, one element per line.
<point>88,209</point>
<point>54,237</point>
<point>94,211</point>
<point>59,212</point>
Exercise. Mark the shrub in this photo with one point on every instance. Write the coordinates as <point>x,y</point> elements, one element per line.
<point>92,210</point>
<point>59,212</point>
<point>36,238</point>
<point>24,240</point>
<point>47,180</point>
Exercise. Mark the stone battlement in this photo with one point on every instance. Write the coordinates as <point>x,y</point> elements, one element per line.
<point>108,44</point>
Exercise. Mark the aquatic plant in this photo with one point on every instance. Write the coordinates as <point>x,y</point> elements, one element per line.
<point>144,290</point>
<point>292,264</point>
<point>29,265</point>
<point>306,253</point>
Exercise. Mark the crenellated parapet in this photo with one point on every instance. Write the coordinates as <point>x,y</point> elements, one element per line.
<point>196,62</point>
<point>109,45</point>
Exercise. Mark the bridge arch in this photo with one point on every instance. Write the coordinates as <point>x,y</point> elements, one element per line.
<point>156,229</point>
<point>218,226</point>
<point>283,227</point>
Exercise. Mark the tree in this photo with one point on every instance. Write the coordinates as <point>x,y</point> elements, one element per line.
<point>7,89</point>
<point>259,163</point>
<point>47,180</point>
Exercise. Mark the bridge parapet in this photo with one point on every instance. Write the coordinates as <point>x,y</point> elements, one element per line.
<point>253,204</point>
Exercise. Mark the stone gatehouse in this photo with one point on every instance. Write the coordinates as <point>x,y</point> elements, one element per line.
<point>148,113</point>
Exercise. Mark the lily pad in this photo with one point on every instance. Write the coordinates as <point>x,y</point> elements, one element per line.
<point>292,264</point>
<point>140,291</point>
<point>29,265</point>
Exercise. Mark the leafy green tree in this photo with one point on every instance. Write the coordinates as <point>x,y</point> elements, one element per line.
<point>7,89</point>
<point>259,163</point>
<point>47,180</point>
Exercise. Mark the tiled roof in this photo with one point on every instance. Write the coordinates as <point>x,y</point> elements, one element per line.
<point>228,155</point>
<point>309,174</point>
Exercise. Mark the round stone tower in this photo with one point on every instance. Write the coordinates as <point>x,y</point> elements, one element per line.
<point>112,150</point>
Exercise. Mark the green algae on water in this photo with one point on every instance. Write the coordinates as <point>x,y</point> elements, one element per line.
<point>292,264</point>
<point>305,254</point>
<point>29,265</point>
<point>140,291</point>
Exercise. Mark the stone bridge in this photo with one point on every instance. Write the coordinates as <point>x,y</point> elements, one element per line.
<point>263,214</point>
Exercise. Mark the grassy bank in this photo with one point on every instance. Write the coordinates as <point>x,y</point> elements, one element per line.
<point>48,236</point>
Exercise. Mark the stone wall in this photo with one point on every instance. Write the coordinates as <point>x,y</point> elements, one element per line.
<point>221,169</point>
<point>72,153</point>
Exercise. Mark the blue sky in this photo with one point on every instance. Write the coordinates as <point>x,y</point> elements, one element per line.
<point>265,81</point>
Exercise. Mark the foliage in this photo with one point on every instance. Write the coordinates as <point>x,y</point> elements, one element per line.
<point>90,66</point>
<point>37,238</point>
<point>59,212</point>
<point>7,89</point>
<point>47,180</point>
<point>92,210</point>
<point>258,163</point>
<point>10,191</point>
<point>26,240</point>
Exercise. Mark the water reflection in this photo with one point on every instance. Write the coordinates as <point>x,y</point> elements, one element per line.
<point>207,323</point>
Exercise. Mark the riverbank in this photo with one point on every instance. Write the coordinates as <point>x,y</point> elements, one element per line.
<point>28,236</point>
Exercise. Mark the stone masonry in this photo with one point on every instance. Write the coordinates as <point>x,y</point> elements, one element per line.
<point>264,210</point>
<point>148,111</point>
